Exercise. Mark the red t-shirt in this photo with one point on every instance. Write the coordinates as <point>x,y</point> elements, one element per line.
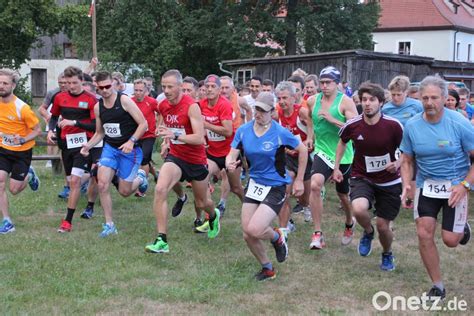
<point>74,107</point>
<point>218,145</point>
<point>375,146</point>
<point>149,107</point>
<point>176,118</point>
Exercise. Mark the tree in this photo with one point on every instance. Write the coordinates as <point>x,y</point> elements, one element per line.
<point>23,21</point>
<point>194,36</point>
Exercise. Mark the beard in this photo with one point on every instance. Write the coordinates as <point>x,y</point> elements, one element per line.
<point>5,94</point>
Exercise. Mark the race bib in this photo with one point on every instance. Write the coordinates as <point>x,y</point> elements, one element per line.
<point>376,163</point>
<point>326,159</point>
<point>437,189</point>
<point>76,140</point>
<point>8,140</point>
<point>214,137</point>
<point>179,131</point>
<point>257,191</point>
<point>112,130</point>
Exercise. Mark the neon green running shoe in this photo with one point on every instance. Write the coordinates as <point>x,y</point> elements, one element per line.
<point>203,228</point>
<point>215,225</point>
<point>159,246</point>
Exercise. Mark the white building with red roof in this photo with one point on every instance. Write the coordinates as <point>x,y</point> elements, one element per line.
<point>441,29</point>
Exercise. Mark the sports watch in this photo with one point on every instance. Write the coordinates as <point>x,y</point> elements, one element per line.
<point>466,185</point>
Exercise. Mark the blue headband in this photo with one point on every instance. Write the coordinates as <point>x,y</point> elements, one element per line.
<point>330,73</point>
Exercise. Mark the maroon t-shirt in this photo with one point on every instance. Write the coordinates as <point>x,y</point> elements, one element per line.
<point>375,146</point>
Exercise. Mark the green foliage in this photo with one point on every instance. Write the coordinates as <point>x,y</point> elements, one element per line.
<point>194,36</point>
<point>23,21</point>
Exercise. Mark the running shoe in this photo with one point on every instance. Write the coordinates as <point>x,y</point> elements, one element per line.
<point>159,246</point>
<point>64,194</point>
<point>317,241</point>
<point>221,208</point>
<point>178,206</point>
<point>139,194</point>
<point>467,234</point>
<point>108,230</point>
<point>365,244</point>
<point>7,227</point>
<point>65,227</point>
<point>297,209</point>
<point>348,234</point>
<point>87,213</point>
<point>308,217</point>
<point>203,228</point>
<point>436,293</point>
<point>214,225</point>
<point>144,185</point>
<point>291,226</point>
<point>388,263</point>
<point>33,181</point>
<point>281,248</point>
<point>265,274</point>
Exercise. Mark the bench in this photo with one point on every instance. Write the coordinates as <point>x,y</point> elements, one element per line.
<point>55,159</point>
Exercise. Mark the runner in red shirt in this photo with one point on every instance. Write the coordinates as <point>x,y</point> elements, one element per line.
<point>149,107</point>
<point>217,113</point>
<point>183,130</point>
<point>295,118</point>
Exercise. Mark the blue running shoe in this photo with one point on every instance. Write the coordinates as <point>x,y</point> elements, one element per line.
<point>7,227</point>
<point>365,244</point>
<point>387,261</point>
<point>64,194</point>
<point>33,181</point>
<point>108,230</point>
<point>84,187</point>
<point>87,213</point>
<point>144,186</point>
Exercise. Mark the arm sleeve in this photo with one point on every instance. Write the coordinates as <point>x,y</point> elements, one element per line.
<point>345,133</point>
<point>53,122</point>
<point>87,126</point>
<point>406,145</point>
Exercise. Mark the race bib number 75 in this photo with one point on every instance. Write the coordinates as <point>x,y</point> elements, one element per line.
<point>257,191</point>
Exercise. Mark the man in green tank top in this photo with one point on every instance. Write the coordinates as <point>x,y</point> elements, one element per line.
<point>330,110</point>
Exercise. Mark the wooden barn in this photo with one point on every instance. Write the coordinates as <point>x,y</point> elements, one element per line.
<point>356,66</point>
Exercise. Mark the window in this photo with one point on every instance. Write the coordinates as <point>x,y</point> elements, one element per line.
<point>469,51</point>
<point>243,76</point>
<point>404,48</point>
<point>458,46</point>
<point>38,82</point>
<point>69,50</point>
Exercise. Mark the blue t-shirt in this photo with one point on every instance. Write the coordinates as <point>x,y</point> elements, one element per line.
<point>266,154</point>
<point>469,111</point>
<point>403,112</point>
<point>441,149</point>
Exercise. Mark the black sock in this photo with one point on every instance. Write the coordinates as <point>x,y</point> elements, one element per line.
<point>70,214</point>
<point>90,205</point>
<point>373,230</point>
<point>212,217</point>
<point>350,226</point>
<point>163,237</point>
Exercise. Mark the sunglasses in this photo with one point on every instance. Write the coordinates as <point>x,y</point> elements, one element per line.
<point>104,87</point>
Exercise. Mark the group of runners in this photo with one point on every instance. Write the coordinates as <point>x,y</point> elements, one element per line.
<point>292,139</point>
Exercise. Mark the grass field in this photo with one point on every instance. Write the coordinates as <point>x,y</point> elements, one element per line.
<point>44,272</point>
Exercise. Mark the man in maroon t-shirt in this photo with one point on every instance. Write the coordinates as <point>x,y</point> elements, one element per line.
<point>183,131</point>
<point>375,177</point>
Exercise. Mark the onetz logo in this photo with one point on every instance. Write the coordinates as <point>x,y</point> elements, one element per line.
<point>383,301</point>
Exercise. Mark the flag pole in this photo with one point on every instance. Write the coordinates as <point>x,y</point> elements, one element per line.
<point>94,31</point>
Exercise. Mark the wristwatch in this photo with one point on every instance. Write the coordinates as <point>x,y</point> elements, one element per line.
<point>466,185</point>
<point>22,141</point>
<point>176,135</point>
<point>133,139</point>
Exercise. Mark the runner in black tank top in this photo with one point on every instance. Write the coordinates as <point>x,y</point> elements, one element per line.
<point>121,124</point>
<point>118,124</point>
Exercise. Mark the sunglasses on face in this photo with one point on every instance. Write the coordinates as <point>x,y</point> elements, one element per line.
<point>104,87</point>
